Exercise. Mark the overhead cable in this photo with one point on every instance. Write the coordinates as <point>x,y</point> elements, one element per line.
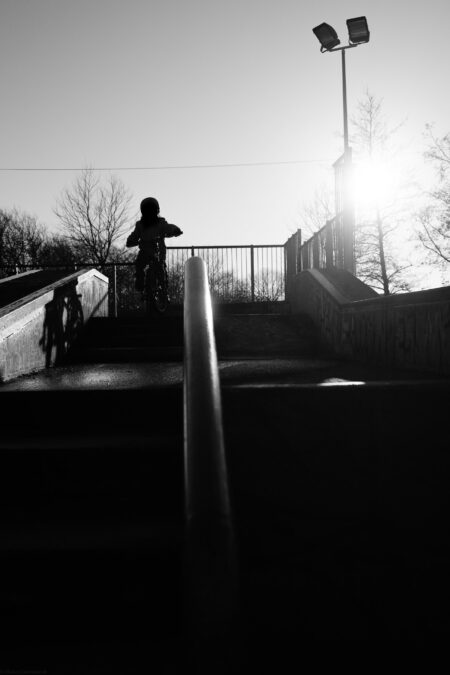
<point>167,167</point>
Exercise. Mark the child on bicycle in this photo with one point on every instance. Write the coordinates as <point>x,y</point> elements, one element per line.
<point>149,235</point>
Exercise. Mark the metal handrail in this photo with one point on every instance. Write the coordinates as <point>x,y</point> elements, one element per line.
<point>210,548</point>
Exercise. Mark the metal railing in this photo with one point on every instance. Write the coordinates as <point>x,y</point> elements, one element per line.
<point>211,591</point>
<point>324,249</point>
<point>235,274</point>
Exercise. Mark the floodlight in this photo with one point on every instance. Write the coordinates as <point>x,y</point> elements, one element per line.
<point>327,36</point>
<point>358,30</point>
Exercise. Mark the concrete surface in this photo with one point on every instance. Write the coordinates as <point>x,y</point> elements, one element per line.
<point>405,330</point>
<point>265,335</point>
<point>247,371</point>
<point>37,330</point>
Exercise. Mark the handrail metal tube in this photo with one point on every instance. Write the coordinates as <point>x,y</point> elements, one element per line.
<point>210,548</point>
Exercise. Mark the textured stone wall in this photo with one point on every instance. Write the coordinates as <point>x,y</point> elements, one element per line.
<point>37,330</point>
<point>408,330</point>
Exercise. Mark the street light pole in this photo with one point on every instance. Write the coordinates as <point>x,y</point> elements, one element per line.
<point>358,33</point>
<point>344,96</point>
<point>348,197</point>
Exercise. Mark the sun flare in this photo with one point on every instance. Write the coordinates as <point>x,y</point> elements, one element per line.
<point>375,183</point>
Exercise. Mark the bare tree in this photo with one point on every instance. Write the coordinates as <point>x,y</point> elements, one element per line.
<point>57,250</point>
<point>378,260</point>
<point>21,238</point>
<point>438,151</point>
<point>315,214</point>
<point>434,232</point>
<point>434,219</point>
<point>269,285</point>
<point>94,213</point>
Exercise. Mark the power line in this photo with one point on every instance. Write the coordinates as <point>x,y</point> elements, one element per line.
<point>171,167</point>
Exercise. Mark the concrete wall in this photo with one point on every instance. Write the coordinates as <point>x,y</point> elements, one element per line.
<point>408,330</point>
<point>37,330</point>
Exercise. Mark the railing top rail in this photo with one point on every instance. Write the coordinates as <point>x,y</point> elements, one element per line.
<point>225,246</point>
<point>169,248</point>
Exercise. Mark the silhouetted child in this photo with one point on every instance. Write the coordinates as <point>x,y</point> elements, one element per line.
<point>149,234</point>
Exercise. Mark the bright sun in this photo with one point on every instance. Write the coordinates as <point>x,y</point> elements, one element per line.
<point>376,183</point>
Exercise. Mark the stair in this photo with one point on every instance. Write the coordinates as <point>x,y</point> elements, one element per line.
<point>131,339</point>
<point>92,522</point>
<point>339,481</point>
<point>264,335</point>
<point>339,475</point>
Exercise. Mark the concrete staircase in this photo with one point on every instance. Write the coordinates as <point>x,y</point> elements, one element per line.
<point>339,477</point>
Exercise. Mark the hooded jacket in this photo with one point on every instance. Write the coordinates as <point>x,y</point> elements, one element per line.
<point>146,235</point>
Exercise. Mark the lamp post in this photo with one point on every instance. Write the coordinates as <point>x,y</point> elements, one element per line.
<point>358,33</point>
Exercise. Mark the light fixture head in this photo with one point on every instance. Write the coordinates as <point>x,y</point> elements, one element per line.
<point>327,36</point>
<point>358,30</point>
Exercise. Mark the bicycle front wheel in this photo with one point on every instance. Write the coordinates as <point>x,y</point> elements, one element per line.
<point>160,300</point>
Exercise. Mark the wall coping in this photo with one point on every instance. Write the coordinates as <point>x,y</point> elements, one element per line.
<point>18,276</point>
<point>416,298</point>
<point>328,286</point>
<point>33,298</point>
<point>430,296</point>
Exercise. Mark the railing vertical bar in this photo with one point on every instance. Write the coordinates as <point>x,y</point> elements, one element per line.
<point>247,269</point>
<point>252,272</point>
<point>114,271</point>
<point>241,266</point>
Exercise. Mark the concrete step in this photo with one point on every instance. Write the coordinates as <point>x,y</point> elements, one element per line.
<point>105,329</point>
<point>130,340</point>
<point>95,454</point>
<point>265,335</point>
<point>251,308</point>
<point>95,473</point>
<point>125,354</point>
<point>340,499</point>
<point>59,408</point>
<point>91,519</point>
<point>127,338</point>
<point>90,596</point>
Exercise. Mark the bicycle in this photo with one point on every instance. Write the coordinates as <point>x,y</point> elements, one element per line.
<point>156,281</point>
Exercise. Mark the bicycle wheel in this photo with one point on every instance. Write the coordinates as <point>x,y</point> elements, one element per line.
<point>160,299</point>
<point>156,292</point>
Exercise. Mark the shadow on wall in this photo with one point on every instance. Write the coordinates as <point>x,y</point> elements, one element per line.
<point>62,324</point>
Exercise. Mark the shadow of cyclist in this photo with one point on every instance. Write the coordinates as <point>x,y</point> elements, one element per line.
<point>62,324</point>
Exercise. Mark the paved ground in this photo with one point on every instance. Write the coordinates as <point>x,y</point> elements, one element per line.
<point>233,371</point>
<point>100,376</point>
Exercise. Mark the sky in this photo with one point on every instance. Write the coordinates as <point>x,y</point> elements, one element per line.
<point>205,83</point>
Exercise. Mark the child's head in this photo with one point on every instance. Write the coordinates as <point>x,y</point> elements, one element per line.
<point>149,208</point>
